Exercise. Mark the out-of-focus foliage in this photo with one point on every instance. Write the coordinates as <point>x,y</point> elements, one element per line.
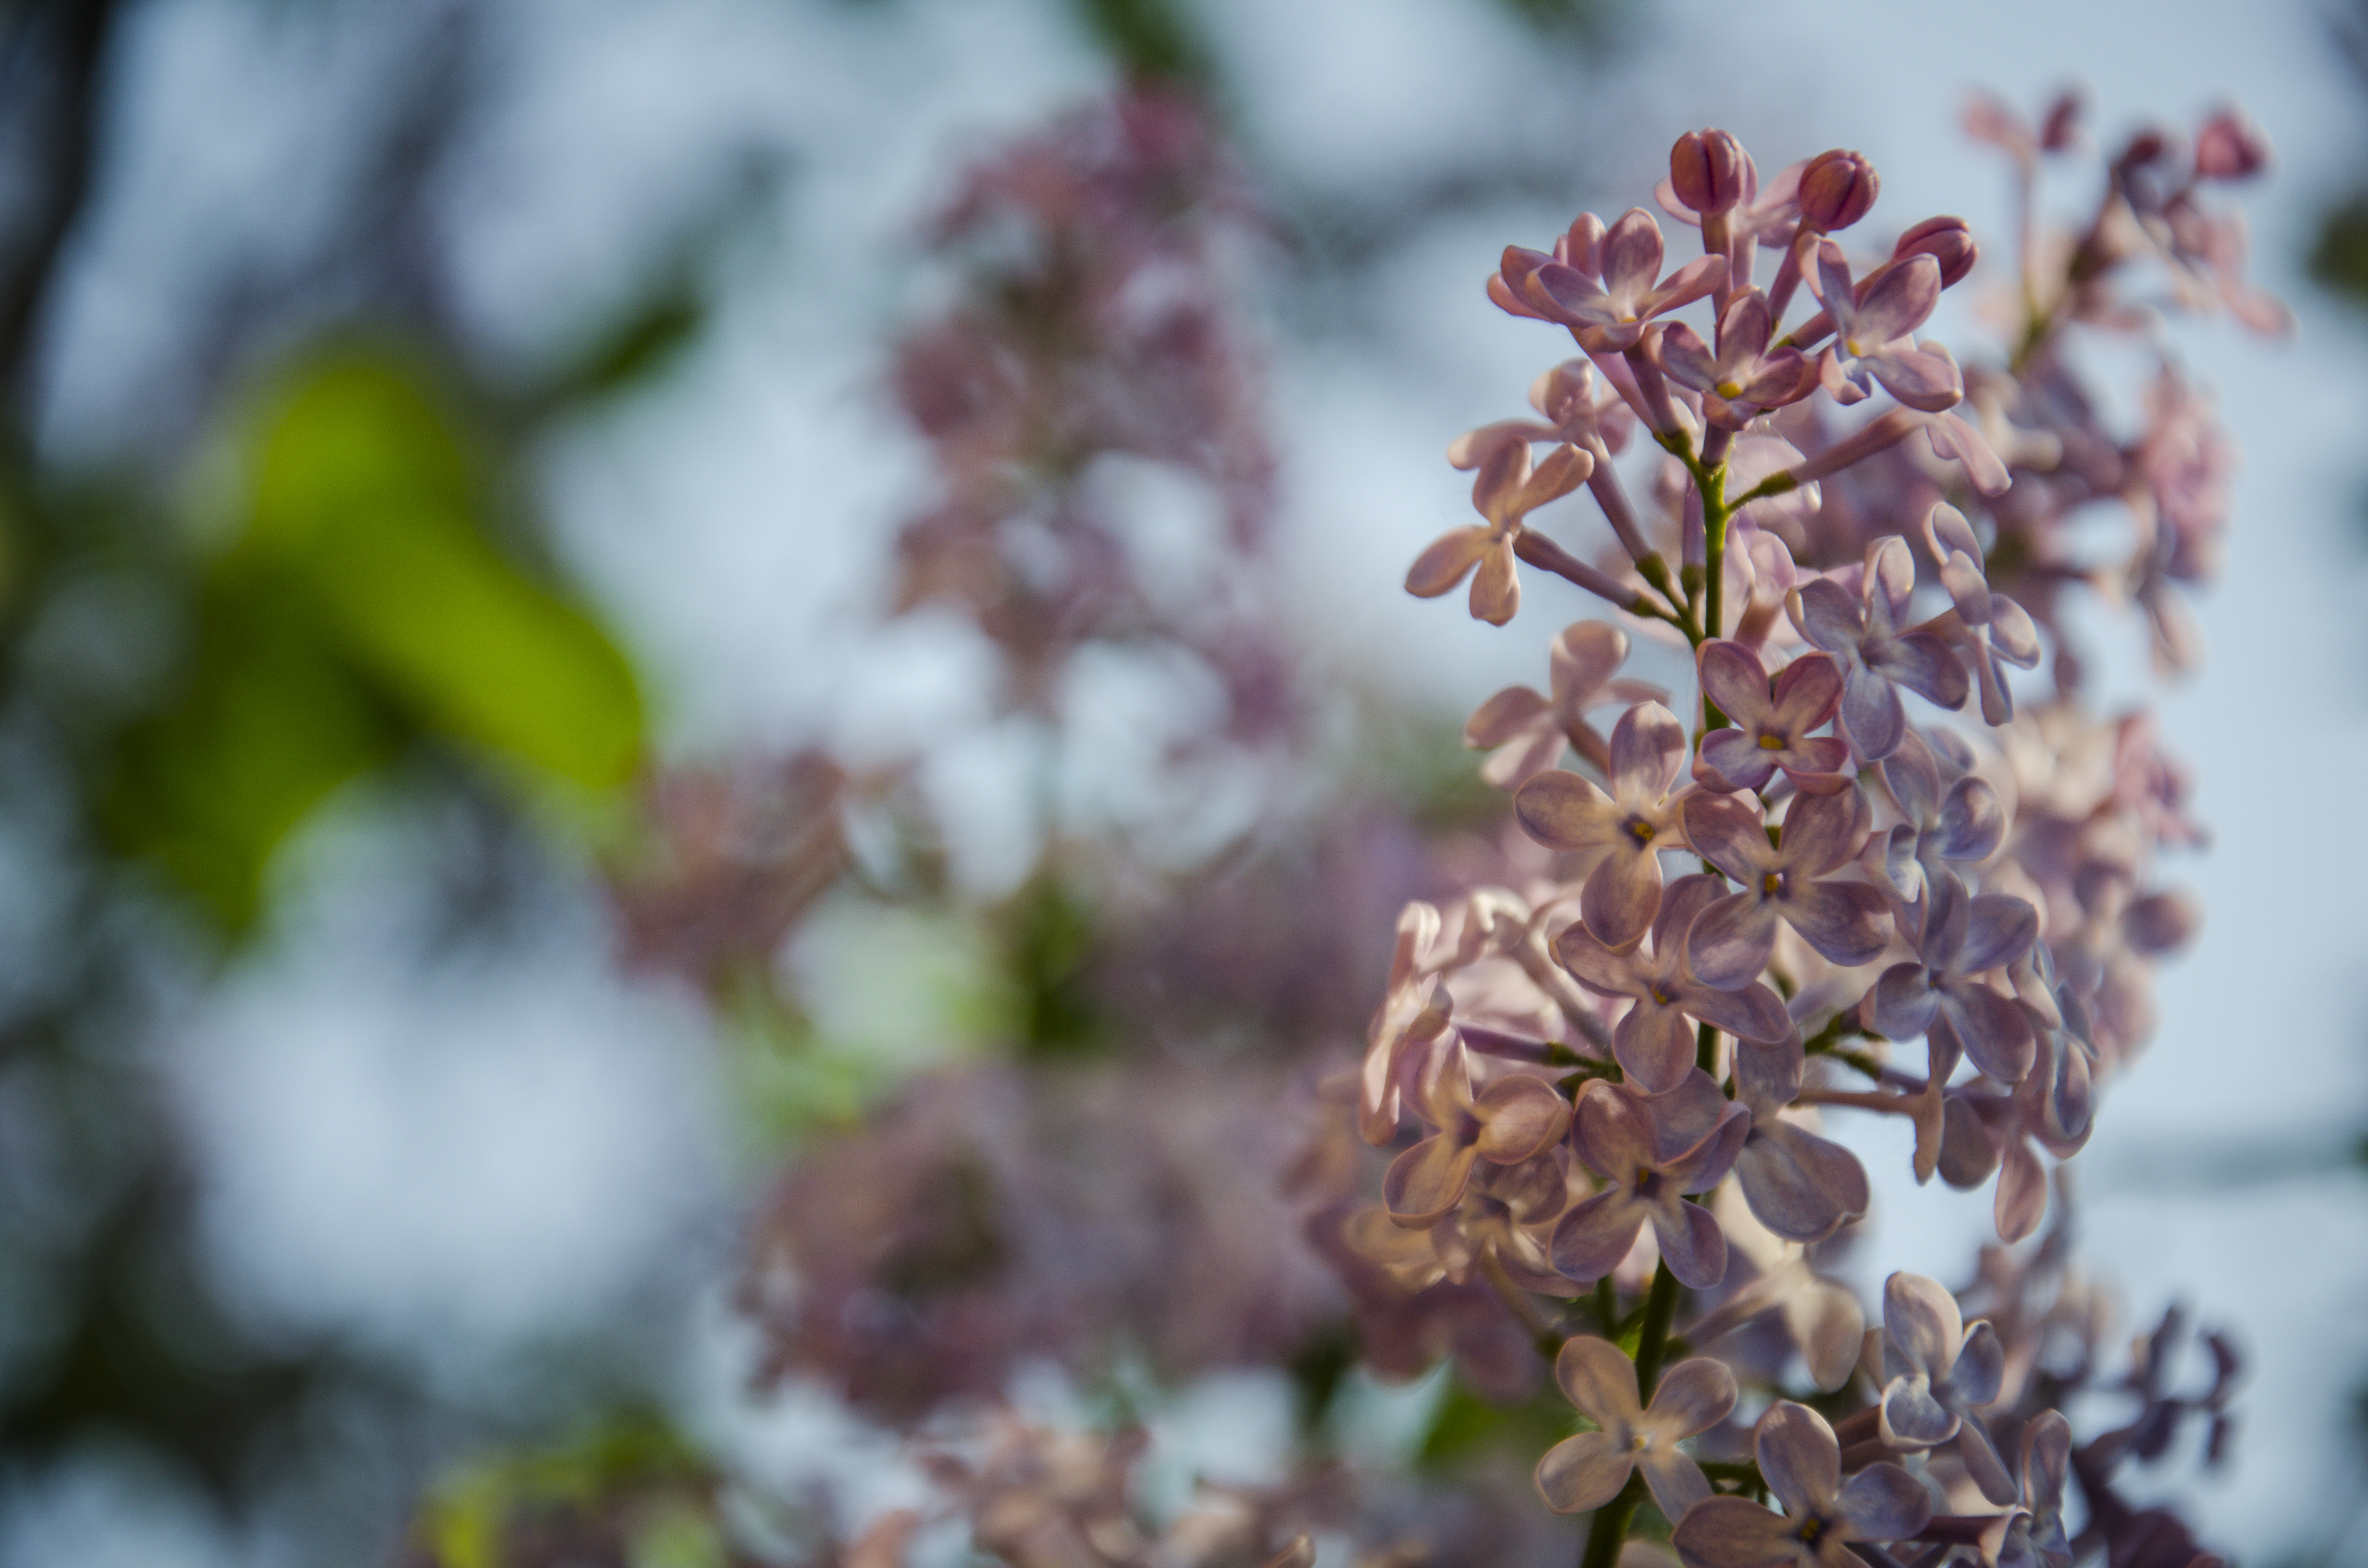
<point>363,603</point>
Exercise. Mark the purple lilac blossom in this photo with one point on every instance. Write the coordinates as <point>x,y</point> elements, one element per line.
<point>1768,729</point>
<point>1615,1134</point>
<point>1861,631</point>
<point>1654,1041</point>
<point>1732,939</point>
<point>1514,1119</point>
<point>1872,336</point>
<point>1743,376</point>
<point>1966,825</point>
<point>1630,826</point>
<point>1965,936</point>
<point>1525,732</point>
<point>1802,1464</point>
<point>1994,630</point>
<point>1587,1470</point>
<point>1606,312</point>
<point>1941,1373</point>
<point>1506,491</point>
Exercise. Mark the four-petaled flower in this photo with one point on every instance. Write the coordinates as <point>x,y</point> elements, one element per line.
<point>1514,1119</point>
<point>1742,376</point>
<point>1615,1136</point>
<point>1862,631</point>
<point>1942,995</point>
<point>1872,336</point>
<point>1607,310</point>
<point>1770,728</point>
<point>1994,629</point>
<point>1654,1041</point>
<point>1525,731</point>
<point>1966,825</point>
<point>1506,491</point>
<point>1802,1464</point>
<point>1941,1373</point>
<point>1587,1470</point>
<point>1632,826</point>
<point>1844,921</point>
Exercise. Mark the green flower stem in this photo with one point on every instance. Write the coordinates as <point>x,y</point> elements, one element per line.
<point>1608,1533</point>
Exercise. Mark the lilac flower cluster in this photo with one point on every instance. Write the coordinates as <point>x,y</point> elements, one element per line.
<point>1852,533</point>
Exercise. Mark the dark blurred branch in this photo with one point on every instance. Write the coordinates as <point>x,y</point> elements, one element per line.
<point>56,51</point>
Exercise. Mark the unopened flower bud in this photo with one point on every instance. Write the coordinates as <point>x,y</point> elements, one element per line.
<point>1710,171</point>
<point>2230,146</point>
<point>1947,241</point>
<point>1837,189</point>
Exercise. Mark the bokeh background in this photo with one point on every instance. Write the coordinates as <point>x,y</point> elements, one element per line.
<point>469,821</point>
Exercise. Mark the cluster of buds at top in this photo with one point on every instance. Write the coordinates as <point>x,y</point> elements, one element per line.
<point>1864,880</point>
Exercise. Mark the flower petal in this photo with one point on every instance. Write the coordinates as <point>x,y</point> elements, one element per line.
<point>1585,654</point>
<point>1648,749</point>
<point>1973,823</point>
<point>1980,1455</point>
<point>1808,692</point>
<point>1691,1243</point>
<point>1733,940</point>
<point>1923,376</point>
<point>1899,300</point>
<point>1872,713</point>
<point>1429,1179</point>
<point>1828,615</point>
<point>1750,1012</point>
<point>1725,830</point>
<point>1924,663</point>
<point>1654,1046</point>
<point>1496,587</point>
<point>1589,1241</point>
<point>1905,1001</point>
<point>1620,895</point>
<point>1562,810</point>
<point>1584,1473</point>
<point>1694,1396</point>
<point>1846,922</point>
<point>1520,1117</point>
<point>1999,930</point>
<point>1799,1184</point>
<point>1993,1030</point>
<point>2022,1199</point>
<point>1505,715</point>
<point>1599,1380</point>
<point>1611,1133</point>
<point>1682,904</point>
<point>1733,678</point>
<point>1443,564</point>
<point>1676,1482</point>
<point>1799,1458</point>
<point>1884,1502</point>
<point>1735,1533</point>
<point>1911,1417</point>
<point>1922,1324</point>
<point>1822,831</point>
<point>1688,360</point>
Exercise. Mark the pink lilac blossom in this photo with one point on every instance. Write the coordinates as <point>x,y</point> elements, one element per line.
<point>1630,827</point>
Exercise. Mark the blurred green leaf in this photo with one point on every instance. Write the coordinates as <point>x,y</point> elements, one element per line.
<point>1154,39</point>
<point>364,603</point>
<point>2339,260</point>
